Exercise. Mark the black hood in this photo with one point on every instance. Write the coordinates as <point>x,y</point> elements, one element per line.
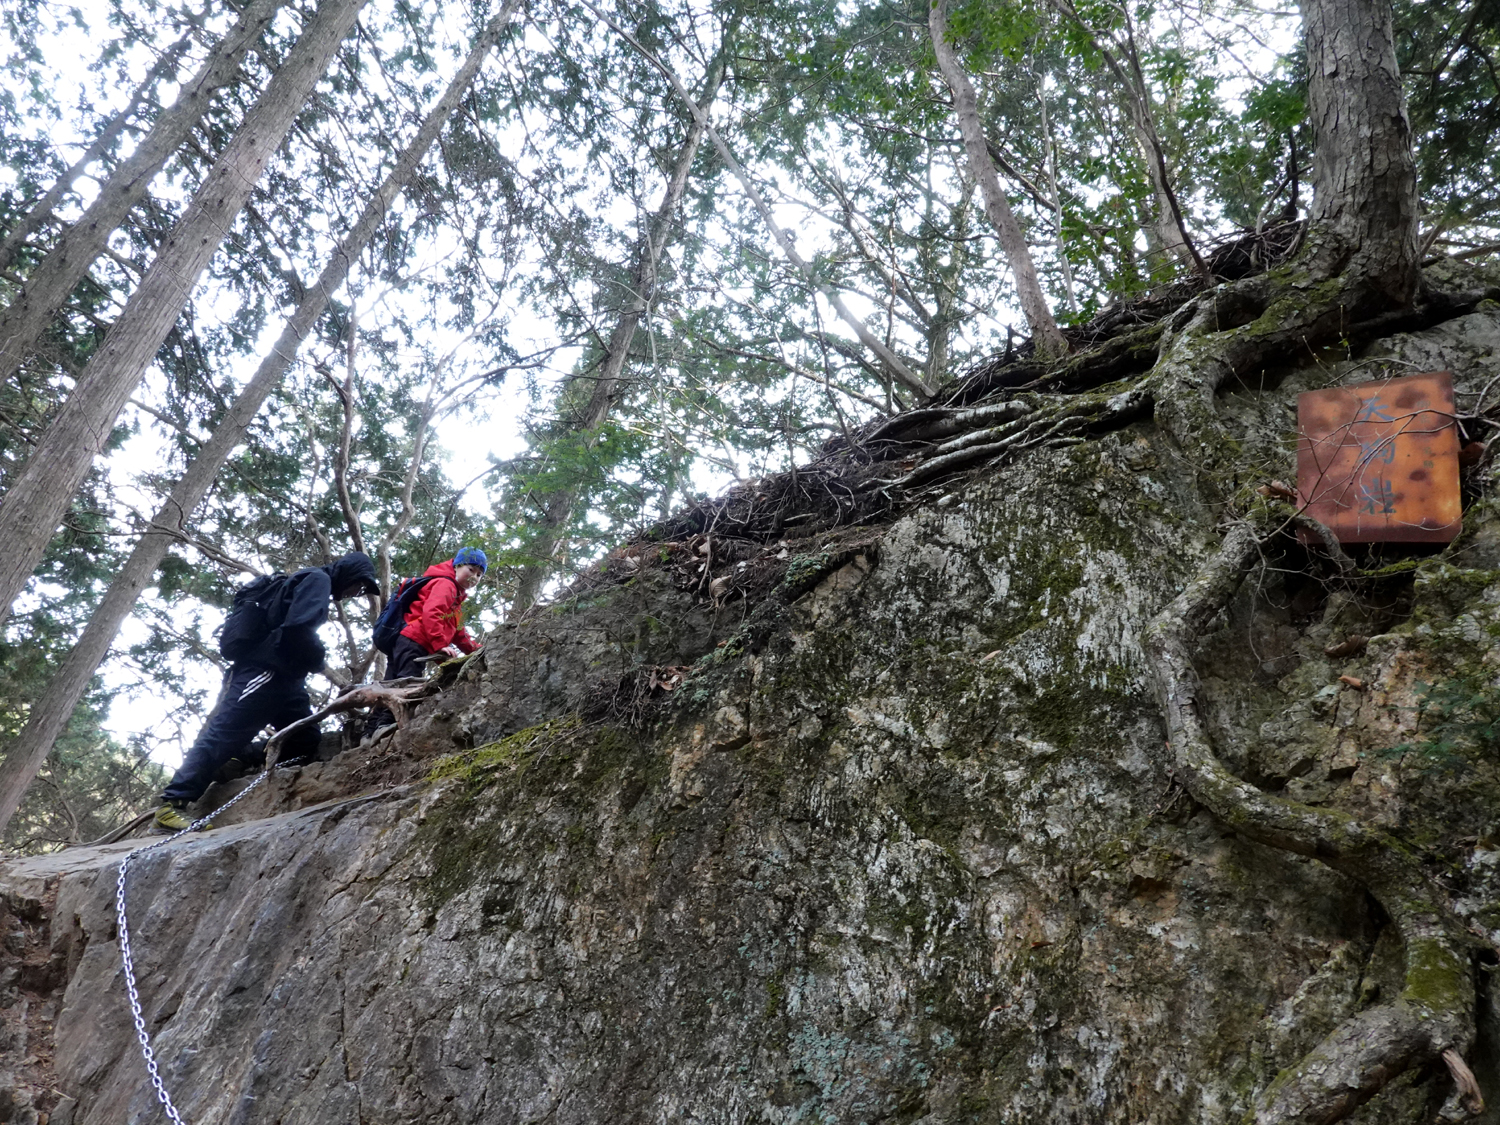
<point>351,569</point>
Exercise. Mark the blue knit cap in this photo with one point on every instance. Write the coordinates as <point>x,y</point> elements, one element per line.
<point>472,556</point>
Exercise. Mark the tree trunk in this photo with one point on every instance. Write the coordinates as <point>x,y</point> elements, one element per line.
<point>36,502</point>
<point>36,218</point>
<point>50,714</point>
<point>1166,221</point>
<point>1361,238</point>
<point>1363,222</point>
<point>1171,227</point>
<point>1167,231</point>
<point>1044,331</point>
<point>49,285</point>
<point>1057,207</point>
<point>557,508</point>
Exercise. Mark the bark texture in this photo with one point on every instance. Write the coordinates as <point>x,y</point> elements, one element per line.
<point>49,715</point>
<point>49,284</point>
<point>41,493</point>
<point>1363,223</point>
<point>1044,331</point>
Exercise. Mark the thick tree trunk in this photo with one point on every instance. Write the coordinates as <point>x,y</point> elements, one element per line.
<point>49,285</point>
<point>1361,239</point>
<point>1362,242</point>
<point>557,508</point>
<point>50,714</point>
<point>1363,222</point>
<point>41,211</point>
<point>1045,334</point>
<point>36,502</point>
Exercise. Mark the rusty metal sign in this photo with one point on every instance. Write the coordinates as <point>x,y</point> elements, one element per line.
<point>1378,462</point>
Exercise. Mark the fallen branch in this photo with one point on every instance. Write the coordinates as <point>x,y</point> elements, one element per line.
<point>397,696</point>
<point>119,833</point>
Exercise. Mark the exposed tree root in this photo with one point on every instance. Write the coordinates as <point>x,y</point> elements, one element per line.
<point>1241,329</point>
<point>1048,422</point>
<point>398,696</point>
<point>1167,355</point>
<point>1434,1013</point>
<point>1470,1102</point>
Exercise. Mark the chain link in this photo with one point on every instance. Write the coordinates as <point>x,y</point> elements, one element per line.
<point>128,958</point>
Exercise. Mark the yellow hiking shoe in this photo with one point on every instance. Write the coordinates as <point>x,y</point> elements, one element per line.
<point>169,817</point>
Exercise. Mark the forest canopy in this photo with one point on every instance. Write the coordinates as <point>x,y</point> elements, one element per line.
<point>537,276</point>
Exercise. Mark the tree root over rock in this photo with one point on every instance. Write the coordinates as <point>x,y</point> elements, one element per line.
<point>399,697</point>
<point>1023,425</point>
<point>1434,1016</point>
<point>1170,368</point>
<point>1240,329</point>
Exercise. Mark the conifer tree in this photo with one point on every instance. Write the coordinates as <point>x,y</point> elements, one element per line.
<point>36,500</point>
<point>556,508</point>
<point>48,285</point>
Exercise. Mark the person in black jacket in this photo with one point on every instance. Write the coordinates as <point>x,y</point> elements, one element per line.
<point>267,685</point>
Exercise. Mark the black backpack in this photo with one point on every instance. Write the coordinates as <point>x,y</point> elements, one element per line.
<point>248,622</point>
<point>392,618</point>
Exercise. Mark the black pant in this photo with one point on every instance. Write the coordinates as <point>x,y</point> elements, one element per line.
<point>403,662</point>
<point>252,698</point>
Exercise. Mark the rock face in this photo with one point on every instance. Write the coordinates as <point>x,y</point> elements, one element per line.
<point>912,854</point>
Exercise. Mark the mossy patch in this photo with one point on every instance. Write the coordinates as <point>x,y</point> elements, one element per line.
<point>1062,714</point>
<point>515,749</point>
<point>559,763</point>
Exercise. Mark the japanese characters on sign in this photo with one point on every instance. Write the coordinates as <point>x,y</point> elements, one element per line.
<point>1378,462</point>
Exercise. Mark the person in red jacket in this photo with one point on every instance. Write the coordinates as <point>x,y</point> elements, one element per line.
<point>434,623</point>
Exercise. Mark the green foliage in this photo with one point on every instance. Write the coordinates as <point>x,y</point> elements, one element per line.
<point>487,298</point>
<point>1449,54</point>
<point>90,783</point>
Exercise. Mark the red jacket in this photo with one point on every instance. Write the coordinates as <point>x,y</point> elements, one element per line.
<point>436,619</point>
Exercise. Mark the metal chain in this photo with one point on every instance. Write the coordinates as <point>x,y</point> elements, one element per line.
<point>128,959</point>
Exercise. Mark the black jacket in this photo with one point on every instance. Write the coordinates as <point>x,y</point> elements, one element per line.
<point>292,646</point>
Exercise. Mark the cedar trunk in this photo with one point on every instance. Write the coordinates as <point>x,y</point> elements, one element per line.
<point>1364,213</point>
<point>49,285</point>
<point>36,218</point>
<point>36,502</point>
<point>50,714</point>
